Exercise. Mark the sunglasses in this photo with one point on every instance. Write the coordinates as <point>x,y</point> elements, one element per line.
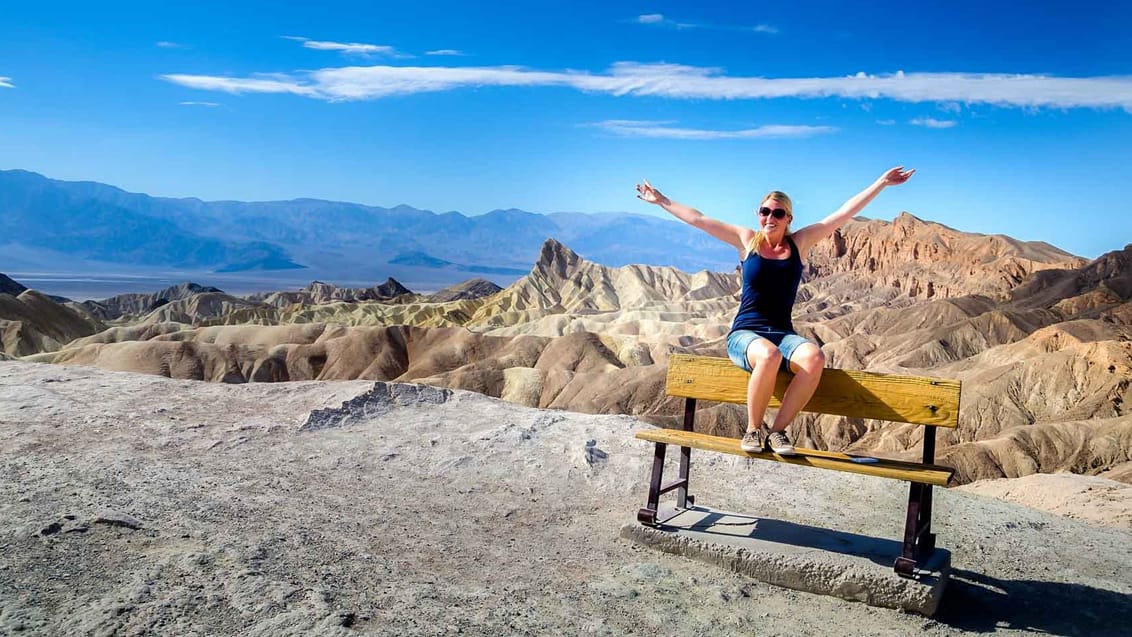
<point>777,213</point>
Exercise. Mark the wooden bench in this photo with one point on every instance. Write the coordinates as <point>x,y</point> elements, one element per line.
<point>931,402</point>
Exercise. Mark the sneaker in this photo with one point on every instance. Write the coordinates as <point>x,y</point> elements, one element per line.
<point>780,444</point>
<point>753,440</point>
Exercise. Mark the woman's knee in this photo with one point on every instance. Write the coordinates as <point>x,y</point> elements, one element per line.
<point>809,358</point>
<point>762,352</point>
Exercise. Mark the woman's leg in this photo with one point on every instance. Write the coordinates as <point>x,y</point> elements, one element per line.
<point>765,359</point>
<point>807,362</point>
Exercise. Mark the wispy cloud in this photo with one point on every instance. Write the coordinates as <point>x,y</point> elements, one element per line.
<point>445,52</point>
<point>165,44</point>
<point>634,128</point>
<point>208,104</point>
<point>886,122</point>
<point>349,48</point>
<point>686,82</point>
<point>241,85</point>
<point>6,82</point>
<point>354,48</point>
<point>660,20</point>
<point>931,122</point>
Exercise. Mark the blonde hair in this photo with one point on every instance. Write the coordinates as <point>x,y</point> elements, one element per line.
<point>760,235</point>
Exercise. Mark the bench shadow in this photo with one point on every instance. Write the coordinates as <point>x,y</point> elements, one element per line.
<point>972,601</point>
<point>728,525</point>
<point>982,604</point>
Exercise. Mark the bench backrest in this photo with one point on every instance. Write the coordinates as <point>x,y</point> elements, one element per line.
<point>911,399</point>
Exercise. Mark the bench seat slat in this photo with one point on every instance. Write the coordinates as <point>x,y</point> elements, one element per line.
<point>890,397</point>
<point>935,475</point>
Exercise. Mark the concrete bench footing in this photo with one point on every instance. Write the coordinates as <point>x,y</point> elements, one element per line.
<point>804,558</point>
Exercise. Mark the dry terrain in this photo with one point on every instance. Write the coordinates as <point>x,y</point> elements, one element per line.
<point>137,498</point>
<point>1041,339</point>
<point>136,504</point>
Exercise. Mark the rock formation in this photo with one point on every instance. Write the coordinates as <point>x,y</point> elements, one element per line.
<point>10,287</point>
<point>923,259</point>
<point>1046,363</point>
<point>139,304</point>
<point>470,289</point>
<point>318,292</point>
<point>33,322</point>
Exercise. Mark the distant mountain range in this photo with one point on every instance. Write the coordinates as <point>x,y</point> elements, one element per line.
<point>53,225</point>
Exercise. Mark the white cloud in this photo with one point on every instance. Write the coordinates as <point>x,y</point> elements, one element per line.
<point>240,85</point>
<point>165,44</point>
<point>349,48</point>
<point>658,19</point>
<point>6,82</point>
<point>886,122</point>
<point>208,104</point>
<point>686,82</point>
<point>634,128</point>
<point>445,52</point>
<point>931,122</point>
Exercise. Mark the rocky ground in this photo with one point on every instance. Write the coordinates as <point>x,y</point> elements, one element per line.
<point>135,504</point>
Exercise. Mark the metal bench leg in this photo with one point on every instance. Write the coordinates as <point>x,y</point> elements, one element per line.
<point>927,539</point>
<point>906,563</point>
<point>919,541</point>
<point>683,500</point>
<point>647,515</point>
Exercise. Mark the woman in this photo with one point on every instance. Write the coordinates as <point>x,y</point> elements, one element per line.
<point>762,337</point>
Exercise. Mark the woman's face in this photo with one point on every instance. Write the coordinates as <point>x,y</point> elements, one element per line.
<point>768,222</point>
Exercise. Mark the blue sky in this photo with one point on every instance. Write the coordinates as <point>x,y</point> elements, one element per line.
<point>1018,120</point>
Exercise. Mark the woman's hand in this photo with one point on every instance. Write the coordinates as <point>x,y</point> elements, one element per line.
<point>648,194</point>
<point>896,176</point>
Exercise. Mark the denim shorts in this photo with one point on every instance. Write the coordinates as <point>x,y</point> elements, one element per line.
<point>739,340</point>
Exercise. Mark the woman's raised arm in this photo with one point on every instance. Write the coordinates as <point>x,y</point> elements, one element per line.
<point>807,237</point>
<point>732,235</point>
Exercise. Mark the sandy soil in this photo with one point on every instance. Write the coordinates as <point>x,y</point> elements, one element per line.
<point>133,504</point>
<point>1092,498</point>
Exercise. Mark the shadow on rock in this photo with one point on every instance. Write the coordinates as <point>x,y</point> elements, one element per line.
<point>979,603</point>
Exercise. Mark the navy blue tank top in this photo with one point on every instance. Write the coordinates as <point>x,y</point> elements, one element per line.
<point>769,289</point>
